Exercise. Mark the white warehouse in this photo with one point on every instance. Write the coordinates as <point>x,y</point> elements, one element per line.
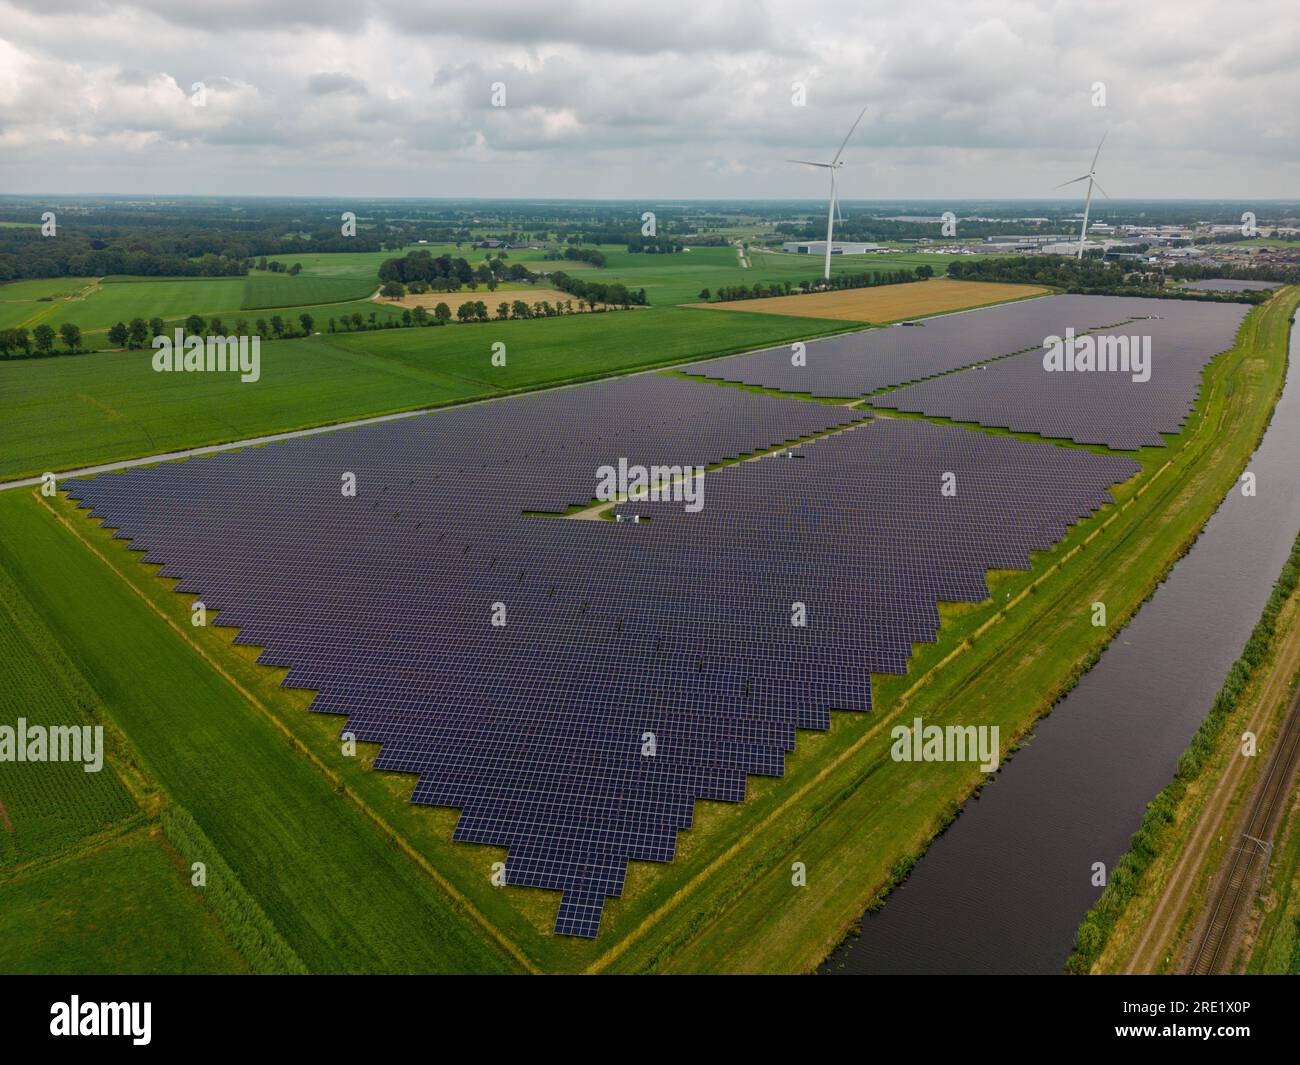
<point>838,247</point>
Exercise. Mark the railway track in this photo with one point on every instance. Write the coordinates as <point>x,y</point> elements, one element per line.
<point>1236,890</point>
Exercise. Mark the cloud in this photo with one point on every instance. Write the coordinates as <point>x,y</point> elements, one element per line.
<point>331,83</point>
<point>964,97</point>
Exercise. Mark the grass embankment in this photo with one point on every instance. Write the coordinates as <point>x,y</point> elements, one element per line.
<point>331,882</point>
<point>71,411</point>
<point>1158,889</point>
<point>852,815</point>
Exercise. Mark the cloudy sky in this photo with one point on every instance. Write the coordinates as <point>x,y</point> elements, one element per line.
<point>670,99</point>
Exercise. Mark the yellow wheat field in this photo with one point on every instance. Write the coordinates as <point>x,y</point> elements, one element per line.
<point>887,303</point>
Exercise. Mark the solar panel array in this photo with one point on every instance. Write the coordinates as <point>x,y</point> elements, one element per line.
<point>1230,285</point>
<point>856,364</point>
<point>641,666</point>
<point>1088,406</point>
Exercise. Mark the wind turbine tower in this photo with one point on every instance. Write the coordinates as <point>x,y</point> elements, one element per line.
<point>832,208</point>
<point>1091,178</point>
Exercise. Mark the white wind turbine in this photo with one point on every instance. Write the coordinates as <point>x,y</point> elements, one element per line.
<point>833,207</point>
<point>1091,178</point>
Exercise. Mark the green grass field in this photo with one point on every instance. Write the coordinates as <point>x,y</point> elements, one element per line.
<point>48,805</point>
<point>69,411</point>
<point>267,290</point>
<point>124,907</point>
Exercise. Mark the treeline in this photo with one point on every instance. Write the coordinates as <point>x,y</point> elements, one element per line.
<point>20,343</point>
<point>582,255</point>
<point>1089,277</point>
<point>594,292</point>
<point>1126,880</point>
<point>1286,274</point>
<point>867,279</point>
<point>638,244</point>
<point>421,271</point>
<point>84,250</point>
<point>61,256</point>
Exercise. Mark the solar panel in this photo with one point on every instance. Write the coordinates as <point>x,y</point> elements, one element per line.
<point>641,666</point>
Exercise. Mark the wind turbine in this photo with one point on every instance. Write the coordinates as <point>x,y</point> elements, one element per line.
<point>1091,178</point>
<point>833,207</point>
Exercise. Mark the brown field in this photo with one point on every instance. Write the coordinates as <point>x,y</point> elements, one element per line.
<point>886,303</point>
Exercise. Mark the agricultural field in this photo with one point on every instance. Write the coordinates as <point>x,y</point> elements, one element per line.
<point>887,303</point>
<point>122,907</point>
<point>46,807</point>
<point>28,303</point>
<point>69,411</point>
<point>267,290</point>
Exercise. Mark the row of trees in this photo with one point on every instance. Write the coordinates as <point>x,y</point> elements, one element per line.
<point>613,293</point>
<point>277,267</point>
<point>578,255</point>
<point>18,343</point>
<point>867,279</point>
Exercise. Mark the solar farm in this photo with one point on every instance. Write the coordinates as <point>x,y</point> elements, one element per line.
<point>424,696</point>
<point>574,688</point>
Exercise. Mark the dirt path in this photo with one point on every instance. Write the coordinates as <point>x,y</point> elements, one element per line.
<point>1162,924</point>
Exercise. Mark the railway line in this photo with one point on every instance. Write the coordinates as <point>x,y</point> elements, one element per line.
<point>1235,891</point>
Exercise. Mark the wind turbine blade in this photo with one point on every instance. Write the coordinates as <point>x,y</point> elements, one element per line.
<point>1098,151</point>
<point>805,162</point>
<point>1073,181</point>
<point>1103,191</point>
<point>844,142</point>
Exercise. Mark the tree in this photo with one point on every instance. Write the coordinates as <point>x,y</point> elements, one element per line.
<point>442,312</point>
<point>465,311</point>
<point>357,320</point>
<point>331,327</point>
<point>157,326</point>
<point>44,336</point>
<point>241,327</point>
<point>393,290</point>
<point>420,316</point>
<point>277,325</point>
<point>217,328</point>
<point>406,316</point>
<point>295,269</point>
<point>117,335</point>
<point>704,295</point>
<point>193,325</point>
<point>138,331</point>
<point>71,335</point>
<point>262,327</point>
<point>307,321</point>
<point>503,310</point>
